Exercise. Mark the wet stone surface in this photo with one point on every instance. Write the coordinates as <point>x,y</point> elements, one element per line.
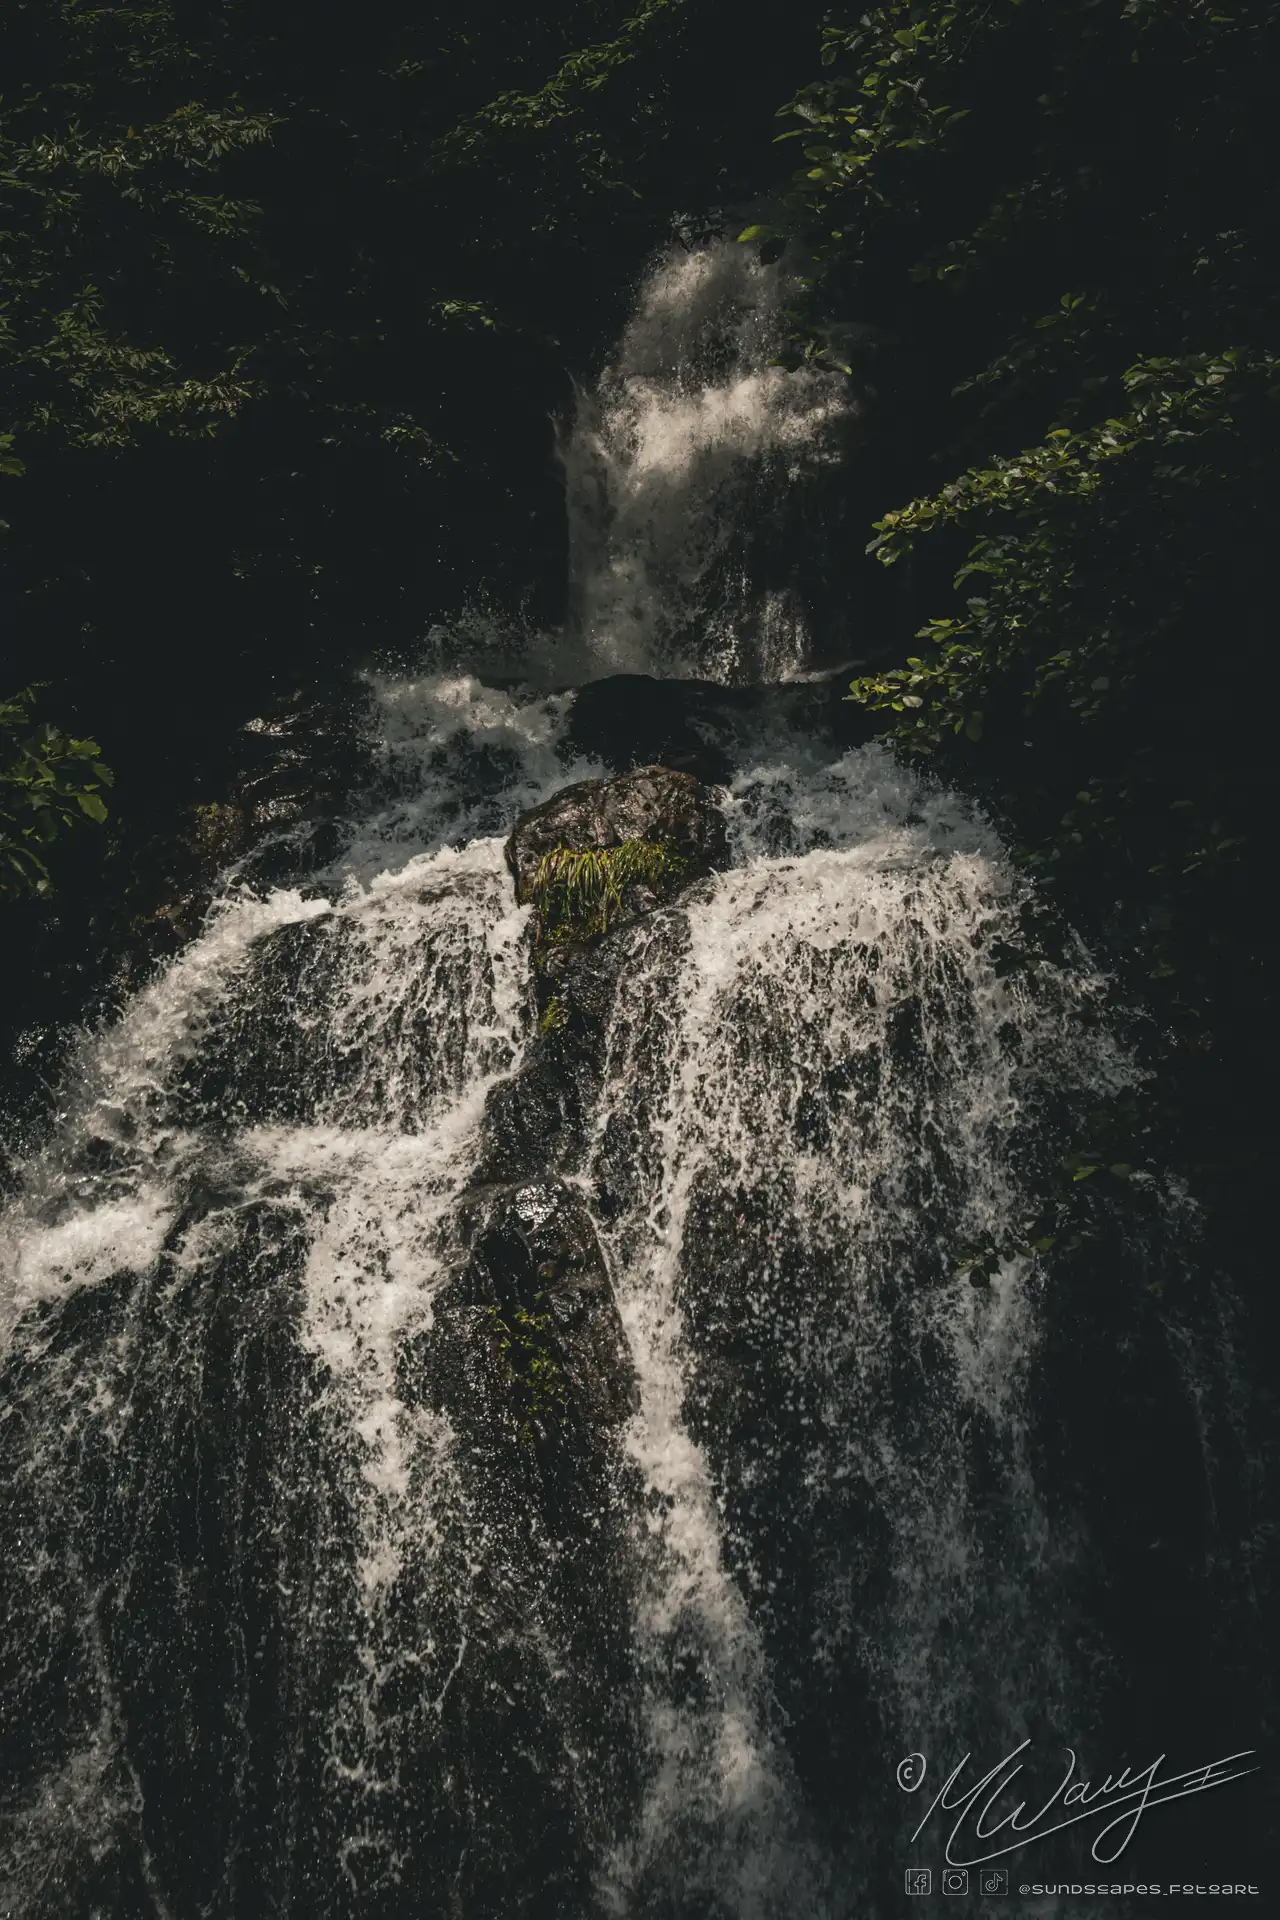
<point>532,1305</point>
<point>653,804</point>
<point>537,1119</point>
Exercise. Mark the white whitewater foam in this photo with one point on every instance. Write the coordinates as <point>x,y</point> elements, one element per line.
<point>71,1228</point>
<point>416,983</point>
<point>686,418</point>
<point>864,895</point>
<point>437,737</point>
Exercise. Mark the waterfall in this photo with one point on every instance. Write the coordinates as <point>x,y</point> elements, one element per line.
<point>678,467</point>
<point>839,1084</point>
<point>298,1619</point>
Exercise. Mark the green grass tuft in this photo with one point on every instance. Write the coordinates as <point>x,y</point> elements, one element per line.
<point>578,895</point>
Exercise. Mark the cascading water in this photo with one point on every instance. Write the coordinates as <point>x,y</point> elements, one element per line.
<point>298,1619</point>
<point>677,468</point>
<point>834,1088</point>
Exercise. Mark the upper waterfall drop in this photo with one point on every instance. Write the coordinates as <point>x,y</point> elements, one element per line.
<point>677,467</point>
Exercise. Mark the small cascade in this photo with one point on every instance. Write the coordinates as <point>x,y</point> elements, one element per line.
<point>852,1067</point>
<point>681,468</point>
<point>244,1533</point>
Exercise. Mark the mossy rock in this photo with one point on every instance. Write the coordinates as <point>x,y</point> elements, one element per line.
<point>581,896</point>
<point>649,807</point>
<point>603,852</point>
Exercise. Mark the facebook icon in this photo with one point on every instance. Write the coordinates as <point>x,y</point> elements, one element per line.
<point>919,1880</point>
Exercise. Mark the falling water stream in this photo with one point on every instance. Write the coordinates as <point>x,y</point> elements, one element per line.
<point>688,450</point>
<point>283,1633</point>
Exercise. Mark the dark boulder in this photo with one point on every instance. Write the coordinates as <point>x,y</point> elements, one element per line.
<point>528,1327</point>
<point>632,720</point>
<point>655,805</point>
<point>708,730</point>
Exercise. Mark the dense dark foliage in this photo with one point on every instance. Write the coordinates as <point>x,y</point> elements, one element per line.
<point>288,307</point>
<point>1055,222</point>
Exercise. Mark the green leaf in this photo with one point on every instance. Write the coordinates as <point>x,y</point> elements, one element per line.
<point>92,804</point>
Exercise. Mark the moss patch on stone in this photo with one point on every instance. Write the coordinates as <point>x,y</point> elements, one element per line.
<point>526,1347</point>
<point>554,1016</point>
<point>578,894</point>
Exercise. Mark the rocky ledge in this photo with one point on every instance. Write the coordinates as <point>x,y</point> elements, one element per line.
<point>528,1332</point>
<point>592,861</point>
<point>529,1322</point>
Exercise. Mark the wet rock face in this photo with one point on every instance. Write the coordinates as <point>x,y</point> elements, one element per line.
<point>185,1483</point>
<point>541,1117</point>
<point>532,1311</point>
<point>536,1120</point>
<point>653,804</point>
<point>527,1359</point>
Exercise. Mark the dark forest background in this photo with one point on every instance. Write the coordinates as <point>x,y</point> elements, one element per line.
<point>292,295</point>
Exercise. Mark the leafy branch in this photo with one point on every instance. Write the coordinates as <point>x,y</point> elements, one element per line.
<point>48,783</point>
<point>1055,494</point>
